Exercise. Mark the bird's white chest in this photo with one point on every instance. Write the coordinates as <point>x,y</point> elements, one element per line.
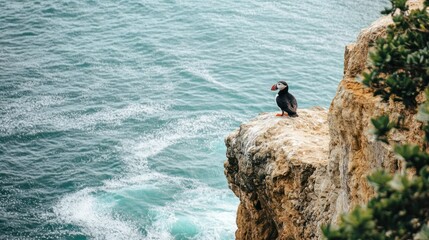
<point>275,100</point>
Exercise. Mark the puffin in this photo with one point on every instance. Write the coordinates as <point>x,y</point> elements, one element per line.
<point>285,100</point>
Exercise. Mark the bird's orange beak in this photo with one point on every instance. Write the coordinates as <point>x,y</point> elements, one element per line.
<point>274,87</point>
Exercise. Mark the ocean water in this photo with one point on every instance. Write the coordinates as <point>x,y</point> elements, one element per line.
<point>113,113</point>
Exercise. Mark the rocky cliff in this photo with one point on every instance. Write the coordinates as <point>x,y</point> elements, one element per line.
<point>294,174</point>
<point>272,164</point>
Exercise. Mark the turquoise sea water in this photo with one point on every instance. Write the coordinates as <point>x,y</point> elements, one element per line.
<point>113,113</point>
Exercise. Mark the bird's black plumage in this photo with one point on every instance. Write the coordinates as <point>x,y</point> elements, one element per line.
<point>286,101</point>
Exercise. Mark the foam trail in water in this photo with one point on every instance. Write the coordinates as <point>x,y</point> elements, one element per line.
<point>198,213</point>
<point>181,130</point>
<point>198,210</point>
<point>83,209</point>
<point>201,71</point>
<point>35,109</point>
<point>194,209</point>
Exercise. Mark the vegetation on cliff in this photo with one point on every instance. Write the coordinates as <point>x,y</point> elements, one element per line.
<point>399,70</point>
<point>400,63</point>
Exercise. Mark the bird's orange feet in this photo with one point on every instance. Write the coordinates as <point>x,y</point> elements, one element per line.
<point>281,114</point>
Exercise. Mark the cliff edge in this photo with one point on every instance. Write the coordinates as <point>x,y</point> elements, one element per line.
<point>294,174</point>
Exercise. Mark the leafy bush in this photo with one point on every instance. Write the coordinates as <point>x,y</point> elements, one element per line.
<point>399,70</point>
<point>400,61</point>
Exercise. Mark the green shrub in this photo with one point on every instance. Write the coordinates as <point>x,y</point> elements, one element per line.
<point>400,63</point>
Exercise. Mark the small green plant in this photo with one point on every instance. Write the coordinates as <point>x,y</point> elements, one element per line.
<point>382,126</point>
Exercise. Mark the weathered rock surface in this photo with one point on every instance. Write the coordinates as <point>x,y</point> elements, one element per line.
<point>294,174</point>
<point>271,167</point>
<point>354,153</point>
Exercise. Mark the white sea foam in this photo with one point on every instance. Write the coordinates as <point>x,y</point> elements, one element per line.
<point>200,70</point>
<point>110,115</point>
<point>83,209</point>
<point>194,209</point>
<point>198,213</point>
<point>28,115</point>
<point>181,130</point>
<point>152,178</point>
<point>205,210</point>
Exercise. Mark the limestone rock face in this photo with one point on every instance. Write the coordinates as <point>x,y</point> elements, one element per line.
<point>354,153</point>
<point>294,174</point>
